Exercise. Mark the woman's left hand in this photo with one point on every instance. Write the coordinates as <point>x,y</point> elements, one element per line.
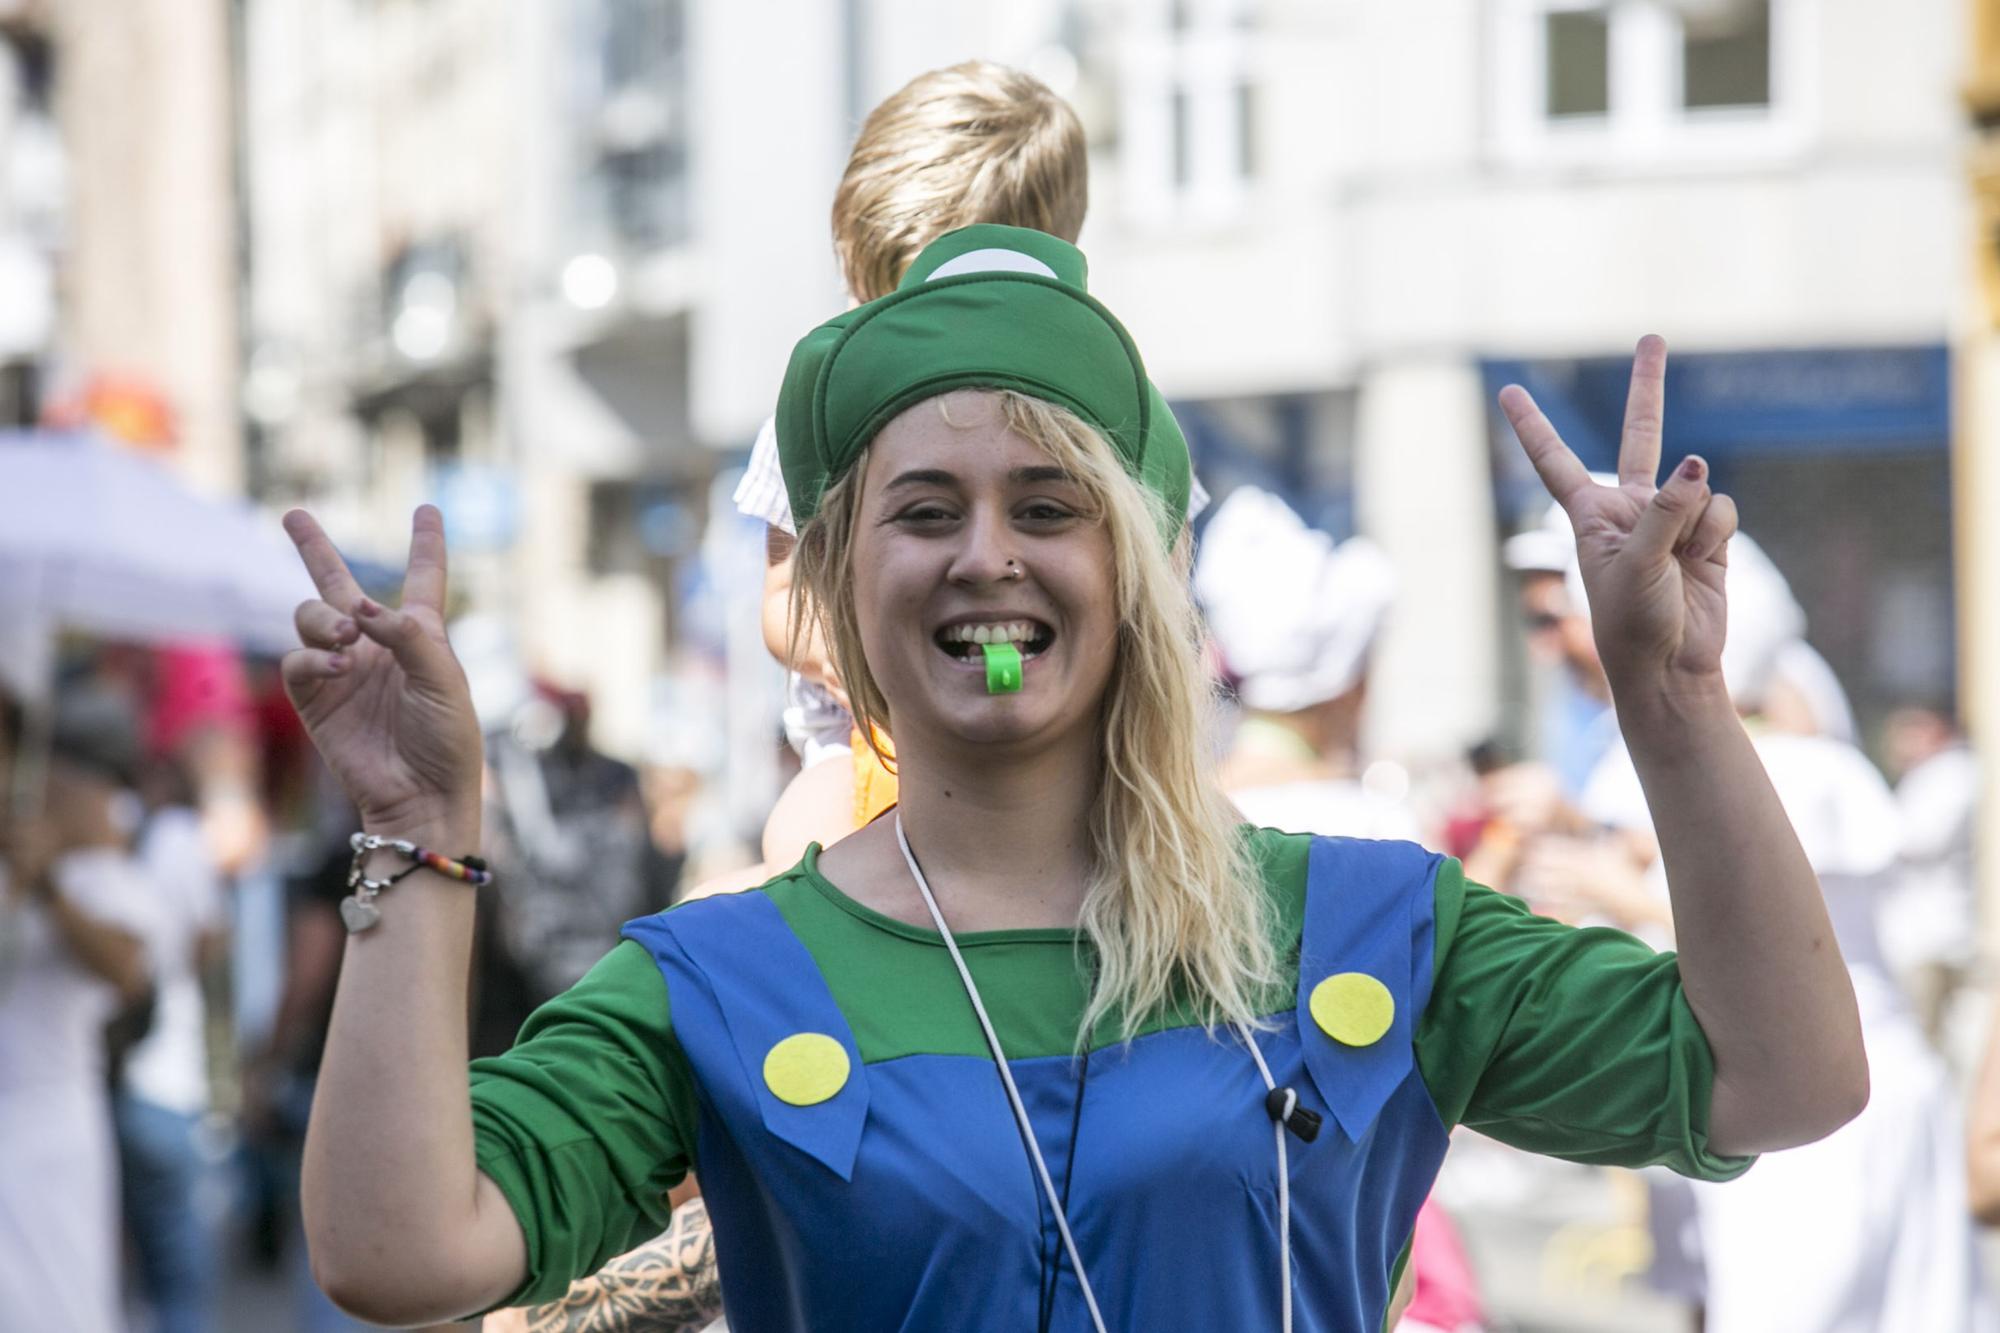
<point>1652,557</point>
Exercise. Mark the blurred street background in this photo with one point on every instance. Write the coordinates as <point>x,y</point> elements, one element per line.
<point>541,262</point>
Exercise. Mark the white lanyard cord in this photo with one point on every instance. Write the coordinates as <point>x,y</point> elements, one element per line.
<point>1035,1148</point>
<point>1284,1180</point>
<point>1006,1077</point>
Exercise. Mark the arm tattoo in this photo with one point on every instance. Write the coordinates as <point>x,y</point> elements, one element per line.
<point>667,1285</point>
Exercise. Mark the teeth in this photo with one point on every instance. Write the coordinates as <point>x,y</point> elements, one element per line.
<point>1010,631</point>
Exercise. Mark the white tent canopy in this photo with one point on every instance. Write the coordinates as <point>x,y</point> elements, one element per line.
<point>108,542</point>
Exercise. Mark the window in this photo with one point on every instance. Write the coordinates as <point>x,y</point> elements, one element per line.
<point>1726,57</point>
<point>1187,110</point>
<point>422,302</point>
<point>1577,76</point>
<point>1246,130</point>
<point>633,123</point>
<point>1628,82</point>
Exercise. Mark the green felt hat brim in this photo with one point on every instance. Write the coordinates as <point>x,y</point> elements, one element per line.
<point>1040,336</point>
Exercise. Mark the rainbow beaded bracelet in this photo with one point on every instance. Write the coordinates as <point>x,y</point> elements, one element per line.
<point>358,911</point>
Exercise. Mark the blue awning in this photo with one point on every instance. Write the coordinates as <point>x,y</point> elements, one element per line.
<point>1723,404</point>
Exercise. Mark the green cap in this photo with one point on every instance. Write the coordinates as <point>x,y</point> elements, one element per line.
<point>986,307</point>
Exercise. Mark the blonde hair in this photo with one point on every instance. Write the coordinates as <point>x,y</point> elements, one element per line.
<point>975,142</point>
<point>1175,907</point>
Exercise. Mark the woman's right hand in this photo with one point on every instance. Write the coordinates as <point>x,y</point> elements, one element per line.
<point>381,694</point>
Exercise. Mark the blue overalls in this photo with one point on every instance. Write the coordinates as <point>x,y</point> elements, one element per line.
<point>906,1201</point>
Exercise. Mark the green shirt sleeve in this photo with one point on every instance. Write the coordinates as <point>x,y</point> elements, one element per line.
<point>587,1122</point>
<point>1575,1043</point>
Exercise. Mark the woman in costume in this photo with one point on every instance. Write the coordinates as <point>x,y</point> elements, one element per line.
<point>1057,1043</point>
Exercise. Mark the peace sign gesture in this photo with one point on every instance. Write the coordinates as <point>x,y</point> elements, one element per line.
<point>381,694</point>
<point>1652,557</point>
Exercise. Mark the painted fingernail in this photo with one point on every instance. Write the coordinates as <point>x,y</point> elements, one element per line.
<point>337,662</point>
<point>346,629</point>
<point>368,607</point>
<point>1693,467</point>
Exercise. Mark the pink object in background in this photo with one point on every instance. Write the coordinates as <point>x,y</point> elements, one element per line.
<point>1447,1296</point>
<point>196,686</point>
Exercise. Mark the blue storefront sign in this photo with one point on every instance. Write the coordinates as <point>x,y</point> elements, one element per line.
<point>481,505</point>
<point>1823,400</point>
<point>1839,459</point>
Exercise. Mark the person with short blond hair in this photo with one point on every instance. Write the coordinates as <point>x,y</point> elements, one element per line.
<point>973,142</point>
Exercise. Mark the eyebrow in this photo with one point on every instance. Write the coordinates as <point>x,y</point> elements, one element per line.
<point>939,477</point>
<point>928,476</point>
<point>1038,475</point>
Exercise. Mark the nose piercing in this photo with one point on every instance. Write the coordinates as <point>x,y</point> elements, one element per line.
<point>1013,570</point>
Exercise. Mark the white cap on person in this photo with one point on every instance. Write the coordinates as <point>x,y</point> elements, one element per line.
<point>1293,612</point>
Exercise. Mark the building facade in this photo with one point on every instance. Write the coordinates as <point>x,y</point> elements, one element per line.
<point>147,343</point>
<point>1439,198</point>
<point>117,237</point>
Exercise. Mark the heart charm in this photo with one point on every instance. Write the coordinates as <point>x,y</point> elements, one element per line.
<point>358,915</point>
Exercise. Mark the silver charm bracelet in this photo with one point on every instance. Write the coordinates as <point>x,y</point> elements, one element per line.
<point>359,911</point>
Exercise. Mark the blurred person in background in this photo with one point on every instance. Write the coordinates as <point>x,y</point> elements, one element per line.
<point>1930,921</point>
<point>201,714</point>
<point>570,838</point>
<point>677,797</point>
<point>76,913</point>
<point>1867,1228</point>
<point>1579,727</point>
<point>1295,617</point>
<point>1805,698</point>
<point>1536,839</point>
<point>163,1089</point>
<point>1521,800</point>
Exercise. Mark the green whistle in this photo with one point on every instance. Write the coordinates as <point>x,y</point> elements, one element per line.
<point>1003,668</point>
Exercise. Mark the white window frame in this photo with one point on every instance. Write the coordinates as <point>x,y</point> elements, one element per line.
<point>1646,128</point>
<point>1209,61</point>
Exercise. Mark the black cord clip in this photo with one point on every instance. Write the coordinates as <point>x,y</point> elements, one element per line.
<point>1283,1106</point>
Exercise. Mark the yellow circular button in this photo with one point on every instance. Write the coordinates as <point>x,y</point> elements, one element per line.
<point>806,1068</point>
<point>1353,1008</point>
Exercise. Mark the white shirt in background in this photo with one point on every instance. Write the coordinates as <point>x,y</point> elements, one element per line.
<point>1931,915</point>
<point>1334,808</point>
<point>169,1067</point>
<point>59,1246</point>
